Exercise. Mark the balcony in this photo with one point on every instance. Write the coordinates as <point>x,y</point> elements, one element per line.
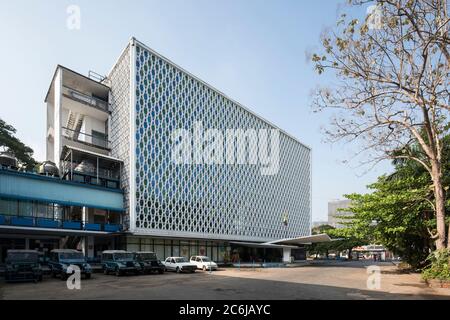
<point>49,223</point>
<point>95,141</point>
<point>31,186</point>
<point>85,99</point>
<point>42,203</point>
<point>89,168</point>
<point>92,179</point>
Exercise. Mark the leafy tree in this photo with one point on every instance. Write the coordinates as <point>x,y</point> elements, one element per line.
<point>392,91</point>
<point>321,247</point>
<point>399,213</point>
<point>341,241</point>
<point>345,240</point>
<point>8,142</point>
<point>396,215</point>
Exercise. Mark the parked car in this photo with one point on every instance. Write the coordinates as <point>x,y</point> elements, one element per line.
<point>23,265</point>
<point>60,260</point>
<point>120,262</point>
<point>149,262</point>
<point>179,264</point>
<point>204,263</point>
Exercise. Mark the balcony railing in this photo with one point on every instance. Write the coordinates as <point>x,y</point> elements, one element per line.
<point>85,99</point>
<point>87,139</point>
<point>48,223</point>
<point>92,179</point>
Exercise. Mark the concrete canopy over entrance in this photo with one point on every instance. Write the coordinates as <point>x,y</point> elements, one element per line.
<point>302,240</point>
<point>262,245</point>
<point>288,245</point>
<point>297,242</point>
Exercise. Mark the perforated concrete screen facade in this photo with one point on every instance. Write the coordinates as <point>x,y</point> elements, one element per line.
<point>214,201</point>
<point>119,81</point>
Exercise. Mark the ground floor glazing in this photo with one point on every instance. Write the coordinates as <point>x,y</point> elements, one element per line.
<point>93,245</point>
<point>219,251</point>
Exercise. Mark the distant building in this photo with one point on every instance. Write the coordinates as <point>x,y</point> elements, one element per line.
<point>319,223</point>
<point>334,213</point>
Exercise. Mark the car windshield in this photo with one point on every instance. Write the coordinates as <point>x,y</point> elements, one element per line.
<point>146,256</point>
<point>123,256</point>
<point>178,260</point>
<point>71,256</point>
<point>23,256</point>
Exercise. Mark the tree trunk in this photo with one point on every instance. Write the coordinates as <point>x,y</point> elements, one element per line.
<point>440,204</point>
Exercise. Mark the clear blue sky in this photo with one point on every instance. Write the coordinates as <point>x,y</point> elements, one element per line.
<point>252,50</point>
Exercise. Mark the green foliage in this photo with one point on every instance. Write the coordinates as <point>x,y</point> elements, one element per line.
<point>399,49</point>
<point>346,241</point>
<point>321,247</point>
<point>439,267</point>
<point>396,215</point>
<point>340,241</point>
<point>12,144</point>
<point>399,213</point>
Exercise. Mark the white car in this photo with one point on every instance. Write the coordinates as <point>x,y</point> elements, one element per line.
<point>179,264</point>
<point>204,263</point>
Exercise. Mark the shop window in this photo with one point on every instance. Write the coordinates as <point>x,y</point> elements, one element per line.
<point>159,250</point>
<point>176,250</point>
<point>214,253</point>
<point>43,210</point>
<point>99,215</point>
<point>184,249</point>
<point>58,212</point>
<point>147,244</point>
<point>133,247</point>
<point>132,241</point>
<point>74,214</point>
<point>8,207</point>
<point>194,248</point>
<point>222,257</point>
<point>25,208</point>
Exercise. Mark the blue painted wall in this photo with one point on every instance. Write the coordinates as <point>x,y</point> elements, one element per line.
<point>20,185</point>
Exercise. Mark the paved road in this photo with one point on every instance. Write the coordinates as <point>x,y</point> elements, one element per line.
<point>338,280</point>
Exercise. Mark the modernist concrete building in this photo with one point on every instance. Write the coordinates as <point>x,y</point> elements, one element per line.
<point>115,134</point>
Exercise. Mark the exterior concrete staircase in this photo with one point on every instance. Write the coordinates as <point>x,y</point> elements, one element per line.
<point>73,125</point>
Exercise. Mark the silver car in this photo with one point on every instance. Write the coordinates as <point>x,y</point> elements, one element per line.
<point>179,264</point>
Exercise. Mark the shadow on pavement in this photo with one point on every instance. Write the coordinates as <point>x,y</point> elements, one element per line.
<point>197,286</point>
<point>345,263</point>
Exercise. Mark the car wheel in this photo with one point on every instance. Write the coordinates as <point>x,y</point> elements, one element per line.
<point>40,278</point>
<point>204,268</point>
<point>161,271</point>
<point>88,275</point>
<point>105,271</point>
<point>118,273</point>
<point>63,276</point>
<point>177,270</point>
